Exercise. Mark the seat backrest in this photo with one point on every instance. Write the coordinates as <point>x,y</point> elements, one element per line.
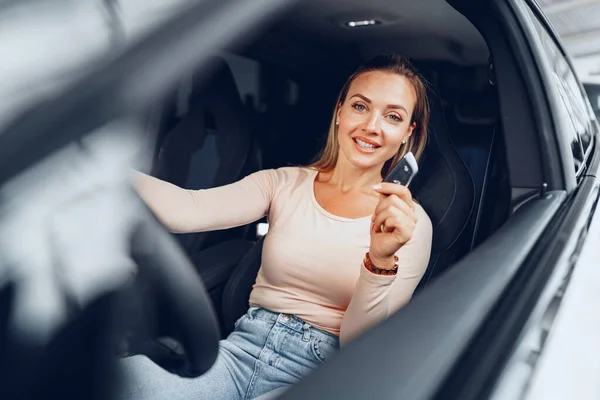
<point>475,123</point>
<point>210,144</point>
<point>237,290</point>
<point>446,191</point>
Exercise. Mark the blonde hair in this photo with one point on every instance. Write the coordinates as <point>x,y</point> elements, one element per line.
<point>395,64</point>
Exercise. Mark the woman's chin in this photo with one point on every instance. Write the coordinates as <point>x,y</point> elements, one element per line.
<point>366,161</point>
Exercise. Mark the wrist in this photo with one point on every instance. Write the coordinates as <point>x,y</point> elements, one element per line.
<point>383,262</point>
<point>381,266</point>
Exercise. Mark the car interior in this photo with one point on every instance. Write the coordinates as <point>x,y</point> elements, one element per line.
<point>266,103</point>
<point>266,99</point>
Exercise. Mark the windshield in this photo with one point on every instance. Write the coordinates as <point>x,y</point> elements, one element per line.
<point>46,44</point>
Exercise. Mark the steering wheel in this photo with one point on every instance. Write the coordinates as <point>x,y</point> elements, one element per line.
<point>175,280</point>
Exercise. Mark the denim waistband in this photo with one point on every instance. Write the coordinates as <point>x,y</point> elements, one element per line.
<point>293,322</point>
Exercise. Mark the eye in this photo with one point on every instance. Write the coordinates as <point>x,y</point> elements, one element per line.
<point>395,117</point>
<point>359,106</point>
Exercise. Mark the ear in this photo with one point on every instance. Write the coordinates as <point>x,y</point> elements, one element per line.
<point>410,130</point>
<point>338,112</point>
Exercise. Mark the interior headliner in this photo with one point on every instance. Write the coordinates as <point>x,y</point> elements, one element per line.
<point>313,33</point>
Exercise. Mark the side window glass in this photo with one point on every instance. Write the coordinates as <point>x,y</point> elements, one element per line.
<point>593,92</point>
<point>575,109</point>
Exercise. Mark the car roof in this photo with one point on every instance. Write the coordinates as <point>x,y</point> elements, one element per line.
<point>424,29</point>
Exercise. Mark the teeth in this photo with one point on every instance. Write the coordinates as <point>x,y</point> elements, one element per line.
<point>365,145</point>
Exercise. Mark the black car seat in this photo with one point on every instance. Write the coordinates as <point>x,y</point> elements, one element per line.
<point>205,142</point>
<point>208,144</point>
<point>237,290</point>
<point>475,122</point>
<point>445,189</point>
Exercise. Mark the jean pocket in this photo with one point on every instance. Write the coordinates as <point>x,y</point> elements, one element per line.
<point>252,311</point>
<point>239,321</point>
<point>249,315</point>
<point>322,351</point>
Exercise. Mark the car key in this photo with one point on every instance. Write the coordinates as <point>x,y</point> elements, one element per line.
<point>404,171</point>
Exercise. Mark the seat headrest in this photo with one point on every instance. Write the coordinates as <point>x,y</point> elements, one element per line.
<point>214,85</point>
<point>444,186</point>
<point>211,138</point>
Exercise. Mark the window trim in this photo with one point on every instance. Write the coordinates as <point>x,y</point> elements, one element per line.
<point>553,34</point>
<point>519,42</point>
<point>525,11</point>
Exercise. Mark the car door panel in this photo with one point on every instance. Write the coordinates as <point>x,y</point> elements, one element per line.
<point>539,300</point>
<point>568,329</point>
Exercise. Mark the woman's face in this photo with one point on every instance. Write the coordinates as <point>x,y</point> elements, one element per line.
<point>374,119</point>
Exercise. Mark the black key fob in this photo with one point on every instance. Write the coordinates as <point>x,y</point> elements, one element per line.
<point>404,171</point>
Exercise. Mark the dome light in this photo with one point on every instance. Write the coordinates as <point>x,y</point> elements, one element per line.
<point>365,22</point>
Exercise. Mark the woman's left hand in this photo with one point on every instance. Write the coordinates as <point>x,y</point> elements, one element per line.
<point>395,213</point>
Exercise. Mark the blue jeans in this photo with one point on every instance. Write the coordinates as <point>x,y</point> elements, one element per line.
<point>266,351</point>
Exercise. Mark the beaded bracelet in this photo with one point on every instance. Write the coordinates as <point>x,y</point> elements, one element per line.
<point>380,271</point>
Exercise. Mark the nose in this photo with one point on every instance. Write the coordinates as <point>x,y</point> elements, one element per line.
<point>373,123</point>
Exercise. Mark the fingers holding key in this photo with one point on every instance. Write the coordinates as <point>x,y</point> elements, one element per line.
<point>400,191</point>
<point>396,203</point>
<point>396,221</point>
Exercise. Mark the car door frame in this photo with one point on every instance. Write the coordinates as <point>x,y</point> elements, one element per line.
<point>539,318</point>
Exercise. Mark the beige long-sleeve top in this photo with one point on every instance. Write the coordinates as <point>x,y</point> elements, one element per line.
<point>311,259</point>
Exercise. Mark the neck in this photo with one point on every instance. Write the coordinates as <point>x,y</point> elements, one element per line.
<point>348,178</point>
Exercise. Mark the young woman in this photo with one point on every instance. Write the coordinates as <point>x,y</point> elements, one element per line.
<point>343,252</point>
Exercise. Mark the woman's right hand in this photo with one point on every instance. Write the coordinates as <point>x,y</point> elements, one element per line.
<point>393,223</point>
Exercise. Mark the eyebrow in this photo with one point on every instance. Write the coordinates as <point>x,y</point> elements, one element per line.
<point>389,105</point>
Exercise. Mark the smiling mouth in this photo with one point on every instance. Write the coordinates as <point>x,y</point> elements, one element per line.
<point>366,146</point>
